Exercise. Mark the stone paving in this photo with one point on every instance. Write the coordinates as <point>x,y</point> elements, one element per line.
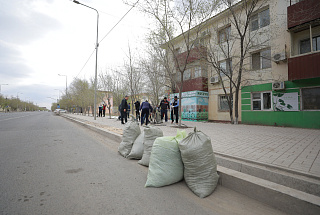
<point>294,149</point>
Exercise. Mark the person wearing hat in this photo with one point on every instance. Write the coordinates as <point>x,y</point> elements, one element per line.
<point>175,110</point>
<point>145,108</point>
<point>124,109</point>
<point>164,106</point>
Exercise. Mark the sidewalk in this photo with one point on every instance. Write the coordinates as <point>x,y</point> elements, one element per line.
<point>292,149</point>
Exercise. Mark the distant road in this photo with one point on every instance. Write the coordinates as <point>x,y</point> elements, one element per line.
<point>49,165</point>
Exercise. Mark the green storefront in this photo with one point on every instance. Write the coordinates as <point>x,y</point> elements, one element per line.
<point>293,104</point>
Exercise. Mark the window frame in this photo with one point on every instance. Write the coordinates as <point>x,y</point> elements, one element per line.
<point>185,73</point>
<point>226,101</point>
<point>261,99</point>
<point>224,33</point>
<point>261,59</point>
<point>228,63</point>
<point>257,17</point>
<point>302,98</point>
<point>197,70</point>
<point>315,40</point>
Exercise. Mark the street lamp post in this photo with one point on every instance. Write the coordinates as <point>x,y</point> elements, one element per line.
<point>66,82</point>
<point>95,76</point>
<point>59,95</point>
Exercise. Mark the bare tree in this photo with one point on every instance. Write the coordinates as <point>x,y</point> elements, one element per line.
<point>229,52</point>
<point>155,77</point>
<point>187,18</point>
<point>112,81</point>
<point>133,76</point>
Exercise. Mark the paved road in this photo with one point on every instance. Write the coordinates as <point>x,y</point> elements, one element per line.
<point>291,149</point>
<point>49,165</point>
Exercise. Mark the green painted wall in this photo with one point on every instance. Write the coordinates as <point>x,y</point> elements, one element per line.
<point>303,119</point>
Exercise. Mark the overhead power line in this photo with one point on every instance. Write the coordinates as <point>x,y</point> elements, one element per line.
<point>107,35</point>
<point>119,21</point>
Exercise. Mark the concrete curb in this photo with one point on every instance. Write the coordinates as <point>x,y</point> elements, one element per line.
<point>108,134</point>
<point>266,172</point>
<point>281,197</point>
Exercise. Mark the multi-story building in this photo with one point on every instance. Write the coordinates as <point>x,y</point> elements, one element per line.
<point>295,98</point>
<point>280,81</point>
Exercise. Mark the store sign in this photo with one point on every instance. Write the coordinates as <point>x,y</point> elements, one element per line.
<point>191,94</point>
<point>286,102</point>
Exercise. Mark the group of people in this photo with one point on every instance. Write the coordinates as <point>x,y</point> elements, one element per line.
<point>145,108</point>
<point>102,110</point>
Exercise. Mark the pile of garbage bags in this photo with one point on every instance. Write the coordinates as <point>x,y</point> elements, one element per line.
<point>172,159</point>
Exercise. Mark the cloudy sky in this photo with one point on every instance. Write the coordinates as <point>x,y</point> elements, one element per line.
<point>40,39</point>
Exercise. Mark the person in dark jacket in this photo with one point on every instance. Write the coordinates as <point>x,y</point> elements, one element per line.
<point>119,109</point>
<point>124,109</point>
<point>164,106</point>
<point>145,108</point>
<point>128,112</point>
<point>175,109</point>
<point>137,106</point>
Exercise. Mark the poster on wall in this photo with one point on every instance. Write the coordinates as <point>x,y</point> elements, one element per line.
<point>286,102</point>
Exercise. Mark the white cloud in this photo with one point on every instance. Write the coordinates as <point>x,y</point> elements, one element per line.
<point>40,39</point>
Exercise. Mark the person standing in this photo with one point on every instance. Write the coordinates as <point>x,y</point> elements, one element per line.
<point>175,110</point>
<point>137,106</point>
<point>124,109</point>
<point>100,110</point>
<point>164,106</point>
<point>104,110</point>
<point>128,112</point>
<point>119,110</point>
<point>145,108</point>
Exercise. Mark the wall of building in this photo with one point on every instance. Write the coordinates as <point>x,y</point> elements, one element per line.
<point>297,118</point>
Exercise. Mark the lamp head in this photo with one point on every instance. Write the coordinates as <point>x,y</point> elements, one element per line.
<point>76,2</point>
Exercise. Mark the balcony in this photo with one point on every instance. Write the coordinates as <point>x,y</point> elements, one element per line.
<point>303,12</point>
<point>200,84</point>
<point>303,67</point>
<point>195,54</point>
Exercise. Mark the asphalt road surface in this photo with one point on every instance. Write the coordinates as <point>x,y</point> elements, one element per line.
<point>49,165</point>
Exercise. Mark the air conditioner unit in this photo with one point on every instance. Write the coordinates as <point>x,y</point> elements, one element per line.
<point>279,57</point>
<point>278,85</point>
<point>214,80</point>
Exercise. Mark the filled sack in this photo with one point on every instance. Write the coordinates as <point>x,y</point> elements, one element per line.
<point>130,133</point>
<point>137,148</point>
<point>165,165</point>
<point>200,165</point>
<point>150,134</point>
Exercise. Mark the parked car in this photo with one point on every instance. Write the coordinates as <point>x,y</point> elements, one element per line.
<point>58,111</point>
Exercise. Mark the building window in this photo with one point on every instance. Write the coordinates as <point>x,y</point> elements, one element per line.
<point>225,67</point>
<point>305,45</point>
<point>260,20</point>
<point>311,98</point>
<point>178,77</point>
<point>261,60</point>
<point>223,103</point>
<point>197,72</point>
<point>198,42</point>
<point>224,34</point>
<point>187,74</point>
<point>261,101</point>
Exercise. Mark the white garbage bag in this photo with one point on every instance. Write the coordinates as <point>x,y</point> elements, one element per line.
<point>165,165</point>
<point>200,165</point>
<point>130,133</point>
<point>137,148</point>
<point>150,134</point>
